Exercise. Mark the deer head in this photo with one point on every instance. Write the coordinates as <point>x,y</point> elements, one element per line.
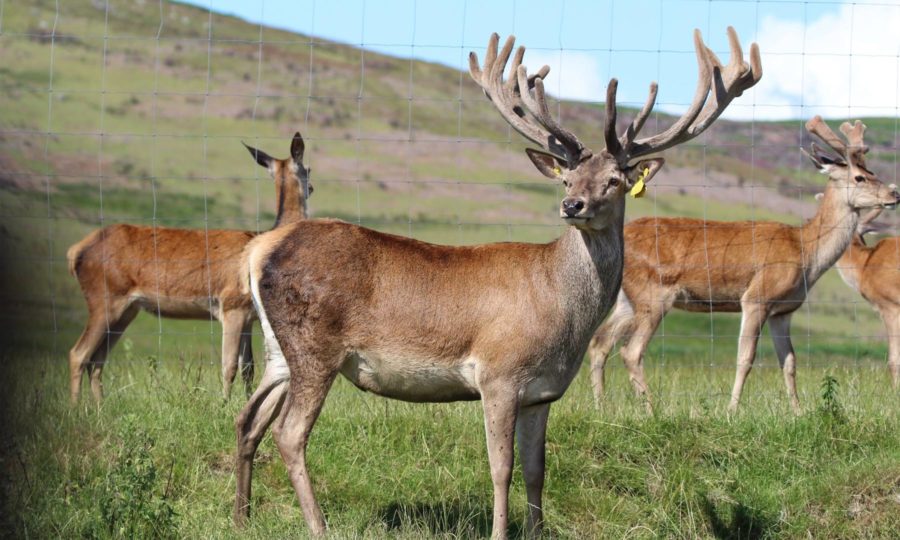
<point>596,183</point>
<point>292,184</point>
<point>846,168</point>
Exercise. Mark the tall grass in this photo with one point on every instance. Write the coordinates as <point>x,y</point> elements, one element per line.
<point>155,459</point>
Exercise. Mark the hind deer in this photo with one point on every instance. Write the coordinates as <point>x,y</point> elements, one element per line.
<point>175,273</point>
<point>762,269</point>
<point>505,323</point>
<point>874,272</point>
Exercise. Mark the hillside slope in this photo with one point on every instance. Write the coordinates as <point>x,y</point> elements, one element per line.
<point>141,116</point>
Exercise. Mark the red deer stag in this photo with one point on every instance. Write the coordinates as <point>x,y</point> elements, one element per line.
<point>177,273</point>
<point>505,323</point>
<point>761,269</point>
<point>874,272</point>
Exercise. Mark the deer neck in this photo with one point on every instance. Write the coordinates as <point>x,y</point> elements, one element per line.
<point>290,203</point>
<point>826,236</point>
<point>589,266</point>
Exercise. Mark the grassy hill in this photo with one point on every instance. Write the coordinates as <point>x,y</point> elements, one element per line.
<point>141,115</point>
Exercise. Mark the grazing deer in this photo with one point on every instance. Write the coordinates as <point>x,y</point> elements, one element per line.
<point>176,273</point>
<point>874,272</point>
<point>505,323</point>
<point>762,269</point>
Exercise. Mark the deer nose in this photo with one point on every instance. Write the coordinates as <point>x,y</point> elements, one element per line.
<point>571,206</point>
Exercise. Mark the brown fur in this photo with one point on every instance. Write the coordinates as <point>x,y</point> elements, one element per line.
<point>176,273</point>
<point>762,269</point>
<point>505,323</point>
<point>874,272</point>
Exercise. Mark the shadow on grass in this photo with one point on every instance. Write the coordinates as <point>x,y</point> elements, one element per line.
<point>737,521</point>
<point>464,518</point>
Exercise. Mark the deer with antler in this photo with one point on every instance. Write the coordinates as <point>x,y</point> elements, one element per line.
<point>762,269</point>
<point>175,273</point>
<point>874,272</point>
<point>505,323</point>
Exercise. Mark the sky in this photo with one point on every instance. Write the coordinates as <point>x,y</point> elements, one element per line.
<point>838,59</point>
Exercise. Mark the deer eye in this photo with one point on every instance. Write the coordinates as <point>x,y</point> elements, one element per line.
<point>565,183</point>
<point>613,182</point>
<point>860,178</point>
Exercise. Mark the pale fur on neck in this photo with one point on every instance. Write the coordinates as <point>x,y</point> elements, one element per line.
<point>826,236</point>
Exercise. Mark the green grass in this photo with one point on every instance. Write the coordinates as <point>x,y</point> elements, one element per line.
<point>383,468</point>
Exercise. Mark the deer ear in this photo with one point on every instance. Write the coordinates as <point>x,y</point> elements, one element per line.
<point>642,171</point>
<point>550,166</point>
<point>297,148</point>
<point>264,159</point>
<point>821,160</point>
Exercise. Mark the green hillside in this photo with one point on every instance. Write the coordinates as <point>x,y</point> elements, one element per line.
<point>141,116</point>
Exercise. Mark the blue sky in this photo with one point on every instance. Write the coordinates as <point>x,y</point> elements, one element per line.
<point>822,57</point>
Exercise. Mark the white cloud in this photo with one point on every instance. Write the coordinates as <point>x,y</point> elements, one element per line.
<point>573,75</point>
<point>840,65</point>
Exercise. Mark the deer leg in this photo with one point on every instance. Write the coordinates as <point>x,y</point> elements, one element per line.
<point>500,410</point>
<point>780,328</point>
<point>251,424</point>
<point>752,318</point>
<point>92,337</point>
<point>245,357</point>
<point>307,390</point>
<point>531,431</point>
<point>120,316</point>
<point>891,320</point>
<point>603,342</point>
<point>633,353</point>
<point>232,326</point>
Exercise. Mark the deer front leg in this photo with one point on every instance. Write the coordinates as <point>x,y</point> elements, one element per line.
<point>500,409</point>
<point>780,328</point>
<point>752,318</point>
<point>232,330</point>
<point>531,431</point>
<point>891,320</point>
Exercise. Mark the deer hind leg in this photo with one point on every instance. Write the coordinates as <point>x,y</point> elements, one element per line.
<point>606,337</point>
<point>245,357</point>
<point>753,316</point>
<point>780,328</point>
<point>531,432</point>
<point>632,352</point>
<point>232,332</point>
<point>312,372</point>
<point>93,344</point>
<point>118,322</point>
<point>251,424</point>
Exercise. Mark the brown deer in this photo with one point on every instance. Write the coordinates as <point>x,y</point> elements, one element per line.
<point>874,272</point>
<point>176,273</point>
<point>505,323</point>
<point>761,269</point>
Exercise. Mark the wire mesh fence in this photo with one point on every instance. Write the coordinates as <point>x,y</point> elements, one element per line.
<point>134,112</point>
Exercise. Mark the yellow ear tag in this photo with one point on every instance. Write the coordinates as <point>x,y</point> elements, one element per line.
<point>639,188</point>
<point>557,171</point>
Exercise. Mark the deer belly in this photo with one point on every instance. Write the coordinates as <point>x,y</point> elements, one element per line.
<point>178,307</point>
<point>412,379</point>
<point>703,301</point>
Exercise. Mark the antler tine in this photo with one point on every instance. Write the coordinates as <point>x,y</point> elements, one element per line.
<point>613,145</point>
<point>635,127</point>
<point>854,133</point>
<point>568,143</point>
<point>717,86</point>
<point>820,129</point>
<point>506,97</point>
<point>673,135</point>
